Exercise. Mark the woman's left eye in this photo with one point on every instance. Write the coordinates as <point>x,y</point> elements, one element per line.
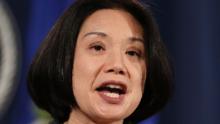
<point>134,53</point>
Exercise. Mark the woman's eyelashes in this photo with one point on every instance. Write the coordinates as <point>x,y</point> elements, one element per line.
<point>100,48</point>
<point>135,53</point>
<point>97,47</point>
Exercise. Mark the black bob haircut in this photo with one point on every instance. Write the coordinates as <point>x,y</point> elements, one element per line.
<point>50,74</point>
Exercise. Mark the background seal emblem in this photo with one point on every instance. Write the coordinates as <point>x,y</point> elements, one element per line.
<point>9,57</point>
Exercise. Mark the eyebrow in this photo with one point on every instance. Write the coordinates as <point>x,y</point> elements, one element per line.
<point>102,34</point>
<point>95,33</point>
<point>134,39</point>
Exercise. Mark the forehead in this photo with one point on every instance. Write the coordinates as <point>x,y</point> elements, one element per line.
<point>112,20</point>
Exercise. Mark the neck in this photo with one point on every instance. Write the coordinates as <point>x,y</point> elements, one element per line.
<point>78,117</point>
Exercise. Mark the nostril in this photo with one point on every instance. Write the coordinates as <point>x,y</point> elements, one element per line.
<point>121,72</point>
<point>116,70</point>
<point>110,70</point>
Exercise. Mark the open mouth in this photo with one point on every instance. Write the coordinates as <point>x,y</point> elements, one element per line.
<point>112,88</point>
<point>112,92</point>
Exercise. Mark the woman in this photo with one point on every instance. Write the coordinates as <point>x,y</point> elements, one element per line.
<point>102,62</point>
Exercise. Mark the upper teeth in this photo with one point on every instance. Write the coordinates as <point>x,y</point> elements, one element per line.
<point>114,86</point>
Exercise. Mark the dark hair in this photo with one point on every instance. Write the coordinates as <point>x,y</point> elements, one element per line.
<point>50,74</point>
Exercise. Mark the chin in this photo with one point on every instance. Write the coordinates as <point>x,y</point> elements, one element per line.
<point>111,114</point>
<point>107,118</point>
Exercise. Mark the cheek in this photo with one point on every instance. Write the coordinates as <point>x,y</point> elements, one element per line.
<point>82,78</point>
<point>81,72</point>
<point>139,83</point>
<point>85,70</point>
<point>140,71</point>
<point>144,76</point>
<point>139,76</point>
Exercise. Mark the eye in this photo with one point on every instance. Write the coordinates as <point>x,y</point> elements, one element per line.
<point>97,47</point>
<point>134,53</point>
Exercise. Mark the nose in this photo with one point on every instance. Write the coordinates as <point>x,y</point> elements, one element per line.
<point>115,64</point>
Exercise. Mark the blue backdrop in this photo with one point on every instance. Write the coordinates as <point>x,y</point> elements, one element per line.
<point>191,31</point>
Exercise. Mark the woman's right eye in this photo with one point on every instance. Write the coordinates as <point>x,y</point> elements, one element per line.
<point>97,47</point>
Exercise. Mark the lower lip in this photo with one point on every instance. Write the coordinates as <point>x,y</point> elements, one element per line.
<point>111,100</point>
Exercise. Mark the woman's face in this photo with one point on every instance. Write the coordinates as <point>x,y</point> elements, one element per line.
<point>109,69</point>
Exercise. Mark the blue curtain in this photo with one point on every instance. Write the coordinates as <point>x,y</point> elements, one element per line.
<point>190,29</point>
